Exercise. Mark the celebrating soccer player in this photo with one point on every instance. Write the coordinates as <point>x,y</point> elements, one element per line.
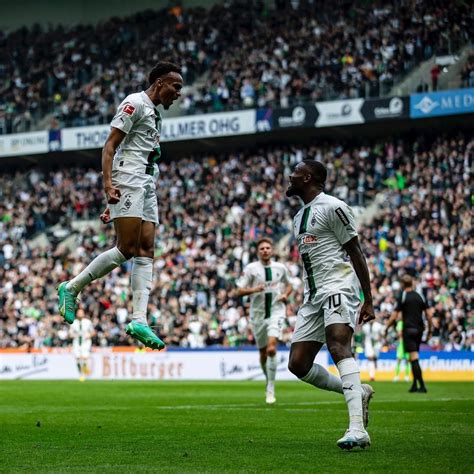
<point>129,175</point>
<point>326,235</point>
<point>268,284</point>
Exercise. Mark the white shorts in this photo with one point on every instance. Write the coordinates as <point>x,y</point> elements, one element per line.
<point>264,328</point>
<point>82,351</point>
<point>138,197</point>
<point>314,317</point>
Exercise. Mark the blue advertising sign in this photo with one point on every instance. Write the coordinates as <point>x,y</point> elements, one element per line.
<point>434,104</point>
<point>264,120</point>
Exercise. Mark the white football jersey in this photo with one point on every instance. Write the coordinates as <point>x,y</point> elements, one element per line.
<point>321,228</point>
<point>81,331</point>
<point>140,119</point>
<point>275,277</point>
<point>373,332</point>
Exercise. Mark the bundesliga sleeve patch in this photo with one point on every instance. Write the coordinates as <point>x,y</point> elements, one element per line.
<point>342,216</point>
<point>128,109</point>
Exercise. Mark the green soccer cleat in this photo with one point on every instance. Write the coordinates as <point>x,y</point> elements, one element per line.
<point>67,303</point>
<point>143,333</point>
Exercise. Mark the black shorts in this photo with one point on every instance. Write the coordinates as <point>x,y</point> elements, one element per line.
<point>412,339</point>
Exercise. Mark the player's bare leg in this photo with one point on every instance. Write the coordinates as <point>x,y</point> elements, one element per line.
<point>271,366</point>
<point>128,231</point>
<point>141,281</point>
<point>339,337</point>
<point>301,364</point>
<point>263,360</point>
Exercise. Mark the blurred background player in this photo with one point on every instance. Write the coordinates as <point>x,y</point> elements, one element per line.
<point>129,177</point>
<point>402,356</point>
<point>81,332</point>
<point>410,307</point>
<point>325,231</point>
<point>268,285</point>
<point>373,333</point>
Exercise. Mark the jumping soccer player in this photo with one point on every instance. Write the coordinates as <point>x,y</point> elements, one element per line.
<point>325,231</point>
<point>129,174</point>
<point>267,283</point>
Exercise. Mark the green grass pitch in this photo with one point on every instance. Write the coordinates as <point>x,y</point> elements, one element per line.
<point>226,427</point>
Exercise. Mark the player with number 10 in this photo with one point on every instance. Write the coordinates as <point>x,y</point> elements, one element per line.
<point>325,232</point>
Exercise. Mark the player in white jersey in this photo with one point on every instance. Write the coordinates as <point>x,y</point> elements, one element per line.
<point>335,271</point>
<point>81,332</point>
<point>373,335</point>
<point>129,172</point>
<point>268,285</point>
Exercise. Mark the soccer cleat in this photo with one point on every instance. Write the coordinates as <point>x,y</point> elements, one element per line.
<point>143,333</point>
<point>270,395</point>
<point>67,303</point>
<point>422,390</point>
<point>396,378</point>
<point>407,378</point>
<point>413,389</point>
<point>354,438</point>
<point>367,394</point>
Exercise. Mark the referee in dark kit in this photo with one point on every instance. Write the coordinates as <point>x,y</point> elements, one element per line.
<point>410,306</point>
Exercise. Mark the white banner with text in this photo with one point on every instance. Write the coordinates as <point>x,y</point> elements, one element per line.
<point>191,127</point>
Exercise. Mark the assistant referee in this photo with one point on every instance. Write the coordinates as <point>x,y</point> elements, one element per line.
<point>411,306</point>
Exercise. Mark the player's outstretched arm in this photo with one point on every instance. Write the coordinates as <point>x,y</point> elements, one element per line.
<point>352,247</point>
<point>249,291</point>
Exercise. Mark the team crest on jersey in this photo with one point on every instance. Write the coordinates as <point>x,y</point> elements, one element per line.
<point>310,239</point>
<point>128,202</point>
<point>128,109</point>
<point>313,220</point>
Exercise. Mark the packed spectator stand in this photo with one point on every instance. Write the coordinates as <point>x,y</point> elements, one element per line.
<point>212,210</point>
<point>234,55</point>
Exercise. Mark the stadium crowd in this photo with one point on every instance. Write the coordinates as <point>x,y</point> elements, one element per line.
<point>237,54</point>
<point>467,73</point>
<point>212,210</point>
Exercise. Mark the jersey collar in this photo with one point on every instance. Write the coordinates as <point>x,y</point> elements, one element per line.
<point>315,200</point>
<point>149,102</point>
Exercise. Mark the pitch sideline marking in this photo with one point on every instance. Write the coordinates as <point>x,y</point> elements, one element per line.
<point>259,405</point>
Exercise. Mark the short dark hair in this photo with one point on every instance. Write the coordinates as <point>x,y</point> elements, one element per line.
<point>318,171</point>
<point>264,240</point>
<point>407,281</point>
<point>161,68</point>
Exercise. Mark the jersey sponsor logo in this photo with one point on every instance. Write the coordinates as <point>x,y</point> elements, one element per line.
<point>342,216</point>
<point>310,239</point>
<point>128,109</point>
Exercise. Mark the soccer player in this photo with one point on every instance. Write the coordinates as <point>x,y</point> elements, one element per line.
<point>129,175</point>
<point>373,333</point>
<point>326,235</point>
<point>410,307</point>
<point>402,355</point>
<point>81,332</point>
<point>268,285</point>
